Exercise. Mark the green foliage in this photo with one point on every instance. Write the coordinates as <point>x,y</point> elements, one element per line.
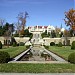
<point>16,35</point>
<point>5,28</point>
<point>31,35</point>
<point>0,45</point>
<point>71,58</point>
<point>27,46</point>
<point>1,31</point>
<point>52,44</point>
<point>56,44</point>
<point>47,47</point>
<point>4,57</point>
<point>59,44</point>
<point>45,34</point>
<point>5,42</point>
<point>21,44</point>
<point>13,41</point>
<point>26,33</point>
<point>38,68</point>
<point>53,34</point>
<point>14,44</point>
<point>71,32</point>
<point>73,45</point>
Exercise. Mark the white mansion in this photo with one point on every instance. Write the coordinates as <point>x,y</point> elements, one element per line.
<point>41,29</point>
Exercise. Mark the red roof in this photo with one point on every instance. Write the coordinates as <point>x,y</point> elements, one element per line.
<point>39,26</point>
<point>45,26</point>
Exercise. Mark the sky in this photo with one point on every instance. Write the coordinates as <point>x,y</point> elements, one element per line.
<point>41,12</point>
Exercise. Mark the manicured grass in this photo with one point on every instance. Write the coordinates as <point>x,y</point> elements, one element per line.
<point>37,68</point>
<point>64,51</point>
<point>13,51</point>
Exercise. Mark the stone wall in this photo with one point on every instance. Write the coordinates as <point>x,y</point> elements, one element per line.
<point>22,39</point>
<point>47,41</point>
<point>18,39</point>
<point>2,40</point>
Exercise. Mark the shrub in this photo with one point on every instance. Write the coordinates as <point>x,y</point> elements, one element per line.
<point>13,40</point>
<point>27,46</point>
<point>73,45</point>
<point>56,44</point>
<point>14,44</point>
<point>4,57</point>
<point>52,44</point>
<point>60,44</point>
<point>71,58</point>
<point>47,47</point>
<point>0,45</point>
<point>17,44</point>
<point>21,44</point>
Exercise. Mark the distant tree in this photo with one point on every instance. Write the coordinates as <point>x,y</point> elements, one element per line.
<point>61,34</point>
<point>71,32</point>
<point>66,33</point>
<point>57,30</point>
<point>45,34</point>
<point>22,21</point>
<point>11,28</point>
<point>2,22</point>
<point>7,33</point>
<point>53,34</point>
<point>70,19</point>
<point>1,30</point>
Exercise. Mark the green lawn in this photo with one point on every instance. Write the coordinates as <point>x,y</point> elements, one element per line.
<point>62,51</point>
<point>13,51</point>
<point>37,68</point>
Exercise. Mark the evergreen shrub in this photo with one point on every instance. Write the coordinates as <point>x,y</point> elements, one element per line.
<point>71,58</point>
<point>73,45</point>
<point>4,57</point>
<point>59,44</point>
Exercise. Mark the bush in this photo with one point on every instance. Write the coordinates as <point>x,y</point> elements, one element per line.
<point>14,44</point>
<point>73,45</point>
<point>13,40</point>
<point>52,44</point>
<point>71,58</point>
<point>0,45</point>
<point>56,44</point>
<point>47,47</point>
<point>21,44</point>
<point>60,44</point>
<point>17,44</point>
<point>28,46</point>
<point>4,57</point>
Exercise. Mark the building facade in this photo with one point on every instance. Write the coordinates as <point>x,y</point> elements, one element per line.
<point>41,29</point>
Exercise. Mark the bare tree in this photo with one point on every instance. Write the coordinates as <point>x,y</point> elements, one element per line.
<point>22,21</point>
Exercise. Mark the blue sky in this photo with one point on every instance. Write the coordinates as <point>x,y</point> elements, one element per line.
<point>41,12</point>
